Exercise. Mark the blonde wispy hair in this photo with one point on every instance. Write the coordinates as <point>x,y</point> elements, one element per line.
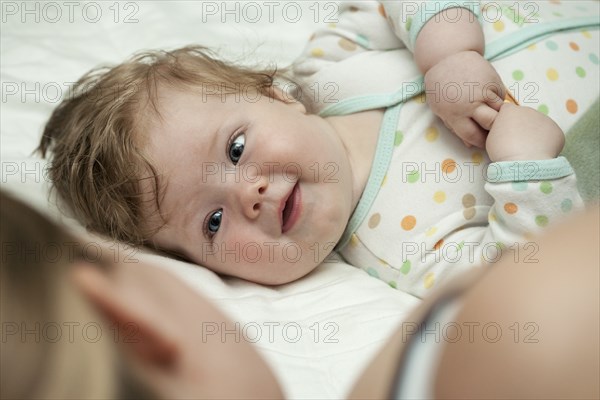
<point>98,167</point>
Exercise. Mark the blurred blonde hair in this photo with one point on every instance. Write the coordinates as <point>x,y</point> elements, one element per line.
<point>49,356</point>
<point>97,166</point>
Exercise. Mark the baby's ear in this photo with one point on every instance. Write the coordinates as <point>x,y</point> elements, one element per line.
<point>287,98</point>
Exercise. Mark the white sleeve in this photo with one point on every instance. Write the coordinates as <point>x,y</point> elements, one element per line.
<point>368,50</point>
<point>407,18</point>
<point>361,26</point>
<point>358,54</point>
<point>528,197</point>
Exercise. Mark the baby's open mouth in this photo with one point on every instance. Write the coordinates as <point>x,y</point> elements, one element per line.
<point>291,210</point>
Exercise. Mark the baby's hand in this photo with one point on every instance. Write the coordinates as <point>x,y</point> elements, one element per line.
<point>522,133</point>
<point>466,92</point>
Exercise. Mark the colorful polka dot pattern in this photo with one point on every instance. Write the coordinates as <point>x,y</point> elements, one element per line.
<point>408,222</point>
<point>422,200</point>
<point>405,267</point>
<point>562,91</point>
<point>439,197</point>
<point>566,205</point>
<point>347,44</point>
<point>418,204</point>
<point>398,138</point>
<point>399,269</point>
<point>510,208</point>
<point>431,134</point>
<point>374,220</point>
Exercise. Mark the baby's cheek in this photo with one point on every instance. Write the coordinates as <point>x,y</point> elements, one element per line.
<point>334,215</point>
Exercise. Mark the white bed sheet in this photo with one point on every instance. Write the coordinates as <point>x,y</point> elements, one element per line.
<point>317,333</point>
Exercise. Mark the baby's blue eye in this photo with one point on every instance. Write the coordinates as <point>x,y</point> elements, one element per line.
<point>236,148</point>
<point>214,222</point>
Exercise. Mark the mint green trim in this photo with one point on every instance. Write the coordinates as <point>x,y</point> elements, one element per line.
<point>495,50</point>
<point>497,172</point>
<point>524,37</point>
<point>381,163</point>
<point>373,101</point>
<point>535,170</point>
<point>425,13</point>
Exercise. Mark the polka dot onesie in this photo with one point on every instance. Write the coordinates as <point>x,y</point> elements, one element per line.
<point>433,207</point>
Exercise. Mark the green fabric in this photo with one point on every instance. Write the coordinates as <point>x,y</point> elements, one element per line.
<point>381,163</point>
<point>528,170</point>
<point>582,149</point>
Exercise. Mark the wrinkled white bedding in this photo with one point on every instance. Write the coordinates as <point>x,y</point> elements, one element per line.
<point>317,333</point>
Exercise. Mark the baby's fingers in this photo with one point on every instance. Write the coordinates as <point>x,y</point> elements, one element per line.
<point>470,132</point>
<point>494,97</point>
<point>485,116</point>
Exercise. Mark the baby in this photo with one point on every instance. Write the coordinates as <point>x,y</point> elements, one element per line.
<point>215,163</point>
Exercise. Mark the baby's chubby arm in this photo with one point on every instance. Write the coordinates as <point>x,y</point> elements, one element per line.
<point>522,133</point>
<point>463,88</point>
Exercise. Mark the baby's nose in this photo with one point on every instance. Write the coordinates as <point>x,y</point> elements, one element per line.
<point>252,196</point>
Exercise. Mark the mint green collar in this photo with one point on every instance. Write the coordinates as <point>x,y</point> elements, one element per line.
<point>381,163</point>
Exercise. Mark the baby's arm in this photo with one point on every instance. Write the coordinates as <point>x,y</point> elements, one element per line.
<point>522,133</point>
<point>452,31</point>
<point>531,188</point>
<point>463,88</point>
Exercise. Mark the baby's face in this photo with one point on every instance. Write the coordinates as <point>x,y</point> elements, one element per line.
<point>255,188</point>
